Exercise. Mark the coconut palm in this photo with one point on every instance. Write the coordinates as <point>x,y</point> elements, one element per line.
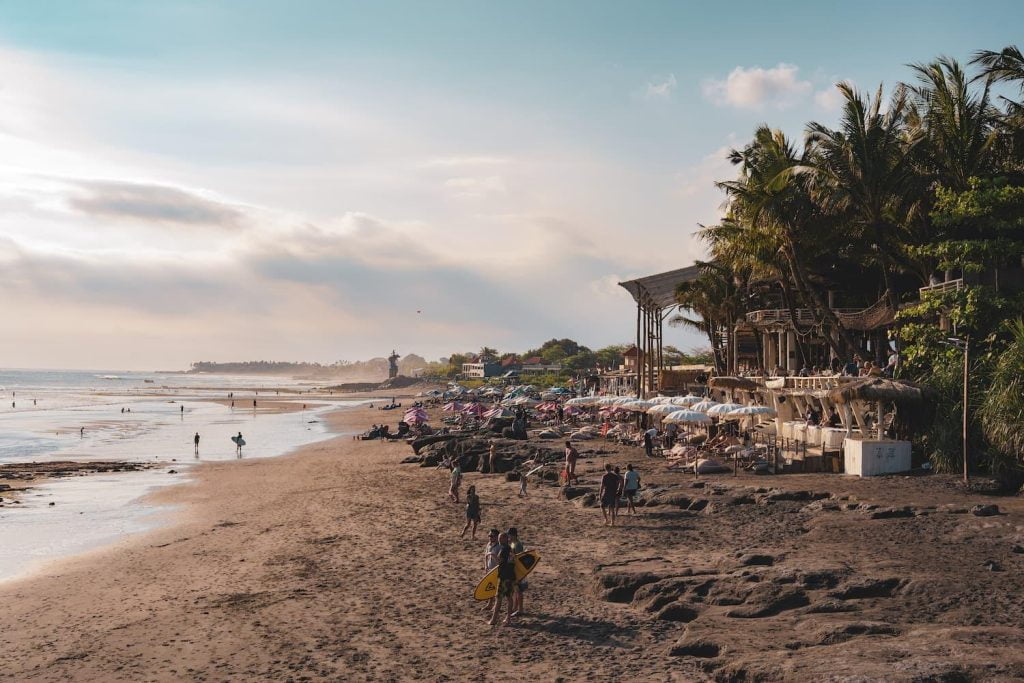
<point>865,171</point>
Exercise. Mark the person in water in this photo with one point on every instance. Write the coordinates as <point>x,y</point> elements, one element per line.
<point>195,440</point>
<point>472,512</point>
<point>238,444</point>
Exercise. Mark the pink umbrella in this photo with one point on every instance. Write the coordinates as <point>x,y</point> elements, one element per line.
<point>452,407</point>
<point>414,416</point>
<point>573,410</point>
<point>473,409</point>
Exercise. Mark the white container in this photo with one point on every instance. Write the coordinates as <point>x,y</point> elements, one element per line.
<point>787,430</point>
<point>813,435</point>
<point>799,431</point>
<point>871,458</point>
<point>832,438</point>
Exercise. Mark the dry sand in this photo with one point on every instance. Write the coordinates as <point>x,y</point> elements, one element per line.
<point>336,563</point>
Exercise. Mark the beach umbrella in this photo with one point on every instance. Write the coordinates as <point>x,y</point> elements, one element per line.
<point>498,412</point>
<point>526,402</point>
<point>606,401</point>
<point>572,410</point>
<point>749,411</point>
<point>452,407</point>
<point>662,409</point>
<point>688,400</point>
<point>723,409</point>
<point>415,416</point>
<point>583,401</point>
<point>473,409</point>
<point>637,406</point>
<point>687,417</point>
<point>704,406</point>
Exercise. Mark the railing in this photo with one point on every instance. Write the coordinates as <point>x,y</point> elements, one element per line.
<point>781,315</point>
<point>943,287</point>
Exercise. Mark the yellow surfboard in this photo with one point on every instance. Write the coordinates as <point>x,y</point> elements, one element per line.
<point>488,586</point>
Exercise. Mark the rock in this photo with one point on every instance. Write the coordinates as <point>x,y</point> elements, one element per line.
<point>891,513</point>
<point>831,635</point>
<point>677,611</point>
<point>571,492</point>
<point>670,498</point>
<point>821,506</point>
<point>1018,548</point>
<point>172,471</point>
<point>860,589</point>
<point>985,510</point>
<point>992,566</point>
<point>695,647</point>
<point>654,596</point>
<point>798,496</point>
<point>698,505</point>
<point>409,460</point>
<point>430,460</point>
<point>587,500</point>
<point>697,484</point>
<point>52,504</point>
<point>831,607</point>
<point>753,559</point>
<point>622,586</point>
<point>767,600</point>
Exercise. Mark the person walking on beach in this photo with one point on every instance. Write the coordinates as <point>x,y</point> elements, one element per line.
<point>517,547</point>
<point>195,440</point>
<point>506,581</point>
<point>649,436</point>
<point>609,495</point>
<point>453,489</point>
<point>630,487</point>
<point>571,455</point>
<point>522,483</point>
<point>489,462</point>
<point>472,512</point>
<point>491,558</point>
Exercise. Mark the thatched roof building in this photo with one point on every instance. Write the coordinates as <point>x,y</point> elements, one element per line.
<point>882,389</point>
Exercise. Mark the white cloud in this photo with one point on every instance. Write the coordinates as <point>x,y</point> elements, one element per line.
<point>661,88</point>
<point>457,161</point>
<point>469,186</point>
<point>757,88</point>
<point>829,99</point>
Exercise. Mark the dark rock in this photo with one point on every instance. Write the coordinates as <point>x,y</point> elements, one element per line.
<point>1018,548</point>
<point>698,505</point>
<point>891,513</point>
<point>622,586</point>
<point>992,566</point>
<point>677,611</point>
<point>670,498</point>
<point>571,492</point>
<point>695,647</point>
<point>831,635</point>
<point>52,503</point>
<point>767,600</point>
<point>831,607</point>
<point>753,559</point>
<point>860,589</point>
<point>985,510</point>
<point>587,500</point>
<point>172,471</point>
<point>430,461</point>
<point>697,484</point>
<point>798,496</point>
<point>410,460</point>
<point>512,476</point>
<point>652,597</point>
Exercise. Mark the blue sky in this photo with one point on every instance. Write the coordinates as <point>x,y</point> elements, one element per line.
<point>186,180</point>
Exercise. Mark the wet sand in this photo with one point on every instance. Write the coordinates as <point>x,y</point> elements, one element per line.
<point>337,563</point>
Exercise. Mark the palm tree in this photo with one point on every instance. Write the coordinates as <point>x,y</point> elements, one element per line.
<point>865,170</point>
<point>771,198</point>
<point>715,299</point>
<point>956,123</point>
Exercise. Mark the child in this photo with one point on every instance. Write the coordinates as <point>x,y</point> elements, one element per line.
<point>472,511</point>
<point>522,483</point>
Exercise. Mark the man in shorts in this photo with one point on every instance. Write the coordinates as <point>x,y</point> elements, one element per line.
<point>491,557</point>
<point>571,455</point>
<point>453,490</point>
<point>610,485</point>
<point>506,581</point>
<point>517,547</point>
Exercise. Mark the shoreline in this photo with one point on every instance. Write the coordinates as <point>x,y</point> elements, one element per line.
<point>339,563</point>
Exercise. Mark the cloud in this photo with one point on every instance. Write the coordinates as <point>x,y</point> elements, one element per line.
<point>829,99</point>
<point>757,88</point>
<point>455,161</point>
<point>469,186</point>
<point>660,88</point>
<point>162,204</point>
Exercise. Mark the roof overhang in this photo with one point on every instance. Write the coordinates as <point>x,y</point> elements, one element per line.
<point>657,292</point>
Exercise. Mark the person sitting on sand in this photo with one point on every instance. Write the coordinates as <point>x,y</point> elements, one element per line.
<point>571,456</point>
<point>506,581</point>
<point>453,489</point>
<point>472,512</point>
<point>609,495</point>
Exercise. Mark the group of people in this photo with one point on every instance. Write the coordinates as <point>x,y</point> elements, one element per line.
<point>500,552</point>
<point>616,485</point>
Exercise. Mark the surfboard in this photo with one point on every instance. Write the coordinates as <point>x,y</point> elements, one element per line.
<point>526,561</point>
<point>536,469</point>
<point>238,440</point>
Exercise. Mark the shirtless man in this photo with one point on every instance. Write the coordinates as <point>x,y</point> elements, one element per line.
<point>571,456</point>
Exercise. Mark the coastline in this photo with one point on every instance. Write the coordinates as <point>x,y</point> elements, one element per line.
<point>338,563</point>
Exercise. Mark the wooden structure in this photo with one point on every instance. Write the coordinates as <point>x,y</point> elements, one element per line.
<point>655,297</point>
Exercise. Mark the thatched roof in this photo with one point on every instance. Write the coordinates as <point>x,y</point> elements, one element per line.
<point>741,383</point>
<point>880,389</point>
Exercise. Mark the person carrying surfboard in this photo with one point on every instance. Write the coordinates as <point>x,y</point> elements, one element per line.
<point>517,547</point>
<point>506,581</point>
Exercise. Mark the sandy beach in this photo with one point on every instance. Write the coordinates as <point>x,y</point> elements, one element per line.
<point>337,563</point>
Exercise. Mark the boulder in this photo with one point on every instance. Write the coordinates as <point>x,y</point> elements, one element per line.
<point>677,611</point>
<point>985,510</point>
<point>859,589</point>
<point>695,647</point>
<point>621,586</point>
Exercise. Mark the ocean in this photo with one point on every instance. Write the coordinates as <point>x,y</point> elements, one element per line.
<point>60,415</point>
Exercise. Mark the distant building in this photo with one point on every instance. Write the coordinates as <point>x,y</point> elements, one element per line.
<point>537,365</point>
<point>481,370</point>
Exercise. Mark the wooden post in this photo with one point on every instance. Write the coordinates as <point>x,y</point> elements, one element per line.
<point>639,311</point>
<point>967,352</point>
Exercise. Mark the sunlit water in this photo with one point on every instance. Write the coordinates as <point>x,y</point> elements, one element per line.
<point>42,416</point>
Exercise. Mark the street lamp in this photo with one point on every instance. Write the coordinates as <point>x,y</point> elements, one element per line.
<point>965,346</point>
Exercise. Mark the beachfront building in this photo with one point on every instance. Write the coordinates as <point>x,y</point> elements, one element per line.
<point>481,370</point>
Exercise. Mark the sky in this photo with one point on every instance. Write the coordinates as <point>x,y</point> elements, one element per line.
<point>319,181</point>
